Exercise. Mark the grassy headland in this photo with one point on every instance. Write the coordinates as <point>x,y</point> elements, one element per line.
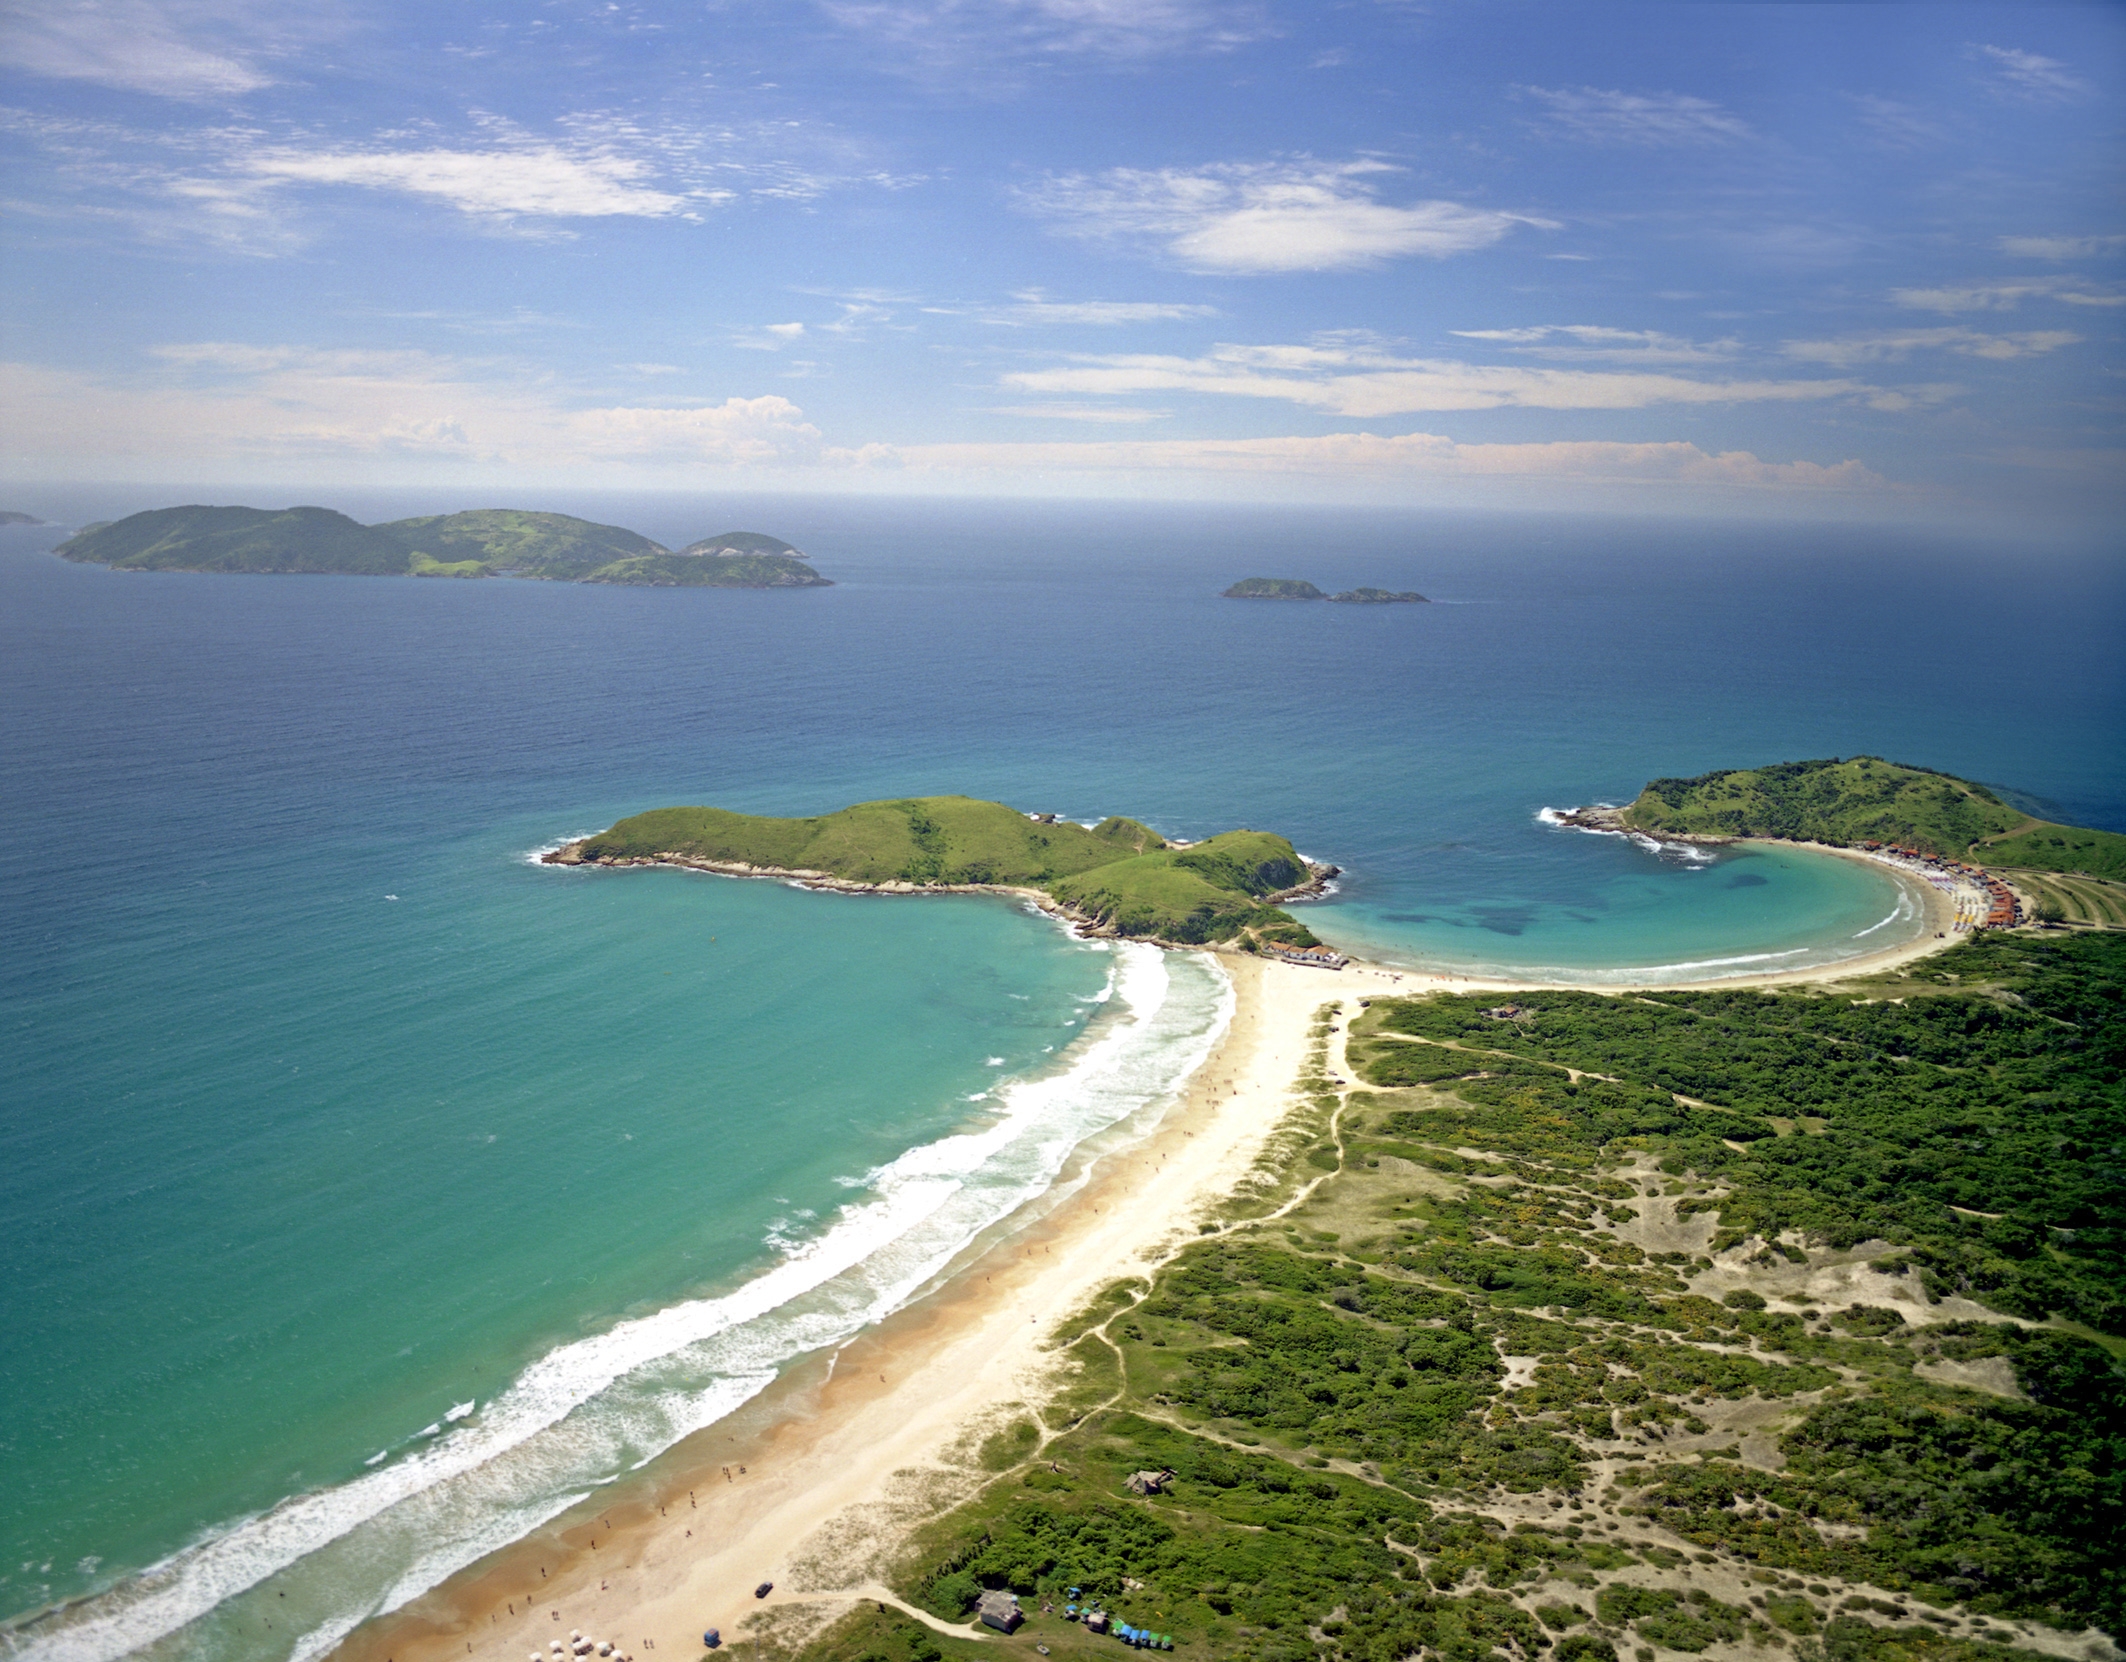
<point>1866,799</point>
<point>1119,876</point>
<point>1543,1338</point>
<point>488,542</point>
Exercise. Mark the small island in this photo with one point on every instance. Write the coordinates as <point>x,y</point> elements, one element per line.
<point>15,516</point>
<point>489,542</point>
<point>1117,878</point>
<point>1296,588</point>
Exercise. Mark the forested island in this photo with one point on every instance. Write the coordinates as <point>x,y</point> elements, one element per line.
<point>1296,588</point>
<point>1739,1324</point>
<point>491,542</point>
<point>1117,878</point>
<point>14,516</point>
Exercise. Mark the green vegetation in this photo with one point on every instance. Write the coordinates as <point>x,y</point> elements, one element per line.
<point>482,543</point>
<point>1273,588</point>
<point>1119,875</point>
<point>1457,1400</point>
<point>1378,597</point>
<point>1861,800</point>
<point>1212,891</point>
<point>239,539</point>
<point>2066,848</point>
<point>1974,1124</point>
<point>1866,799</point>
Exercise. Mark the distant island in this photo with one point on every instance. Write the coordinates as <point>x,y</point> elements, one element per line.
<point>1295,588</point>
<point>1859,800</point>
<point>10,516</point>
<point>1118,878</point>
<point>489,542</point>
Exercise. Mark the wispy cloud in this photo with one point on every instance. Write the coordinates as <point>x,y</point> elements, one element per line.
<point>135,45</point>
<point>771,337</point>
<point>1414,456</point>
<point>218,401</point>
<point>2029,77</point>
<point>2002,296</point>
<point>540,181</point>
<point>941,33</point>
<point>1260,217</point>
<point>2061,248</point>
<point>1613,117</point>
<point>1893,346</point>
<point>1101,414</point>
<point>1360,383</point>
<point>1592,343</point>
<point>1032,306</point>
<point>1899,125</point>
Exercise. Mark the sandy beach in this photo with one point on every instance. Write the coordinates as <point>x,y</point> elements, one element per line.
<point>813,1479</point>
<point>811,1485</point>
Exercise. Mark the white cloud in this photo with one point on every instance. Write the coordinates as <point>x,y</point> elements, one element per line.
<point>2026,75</point>
<point>950,32</point>
<point>1410,455</point>
<point>222,403</point>
<point>540,181</point>
<point>1361,384</point>
<point>2061,248</point>
<point>132,44</point>
<point>2002,297</point>
<point>1591,343</point>
<point>1637,118</point>
<point>1032,306</point>
<point>1896,345</point>
<point>1102,414</point>
<point>1255,217</point>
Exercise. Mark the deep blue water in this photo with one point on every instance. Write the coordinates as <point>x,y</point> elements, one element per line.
<point>326,1112</point>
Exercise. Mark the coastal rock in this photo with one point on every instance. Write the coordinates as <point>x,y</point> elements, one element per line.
<point>1380,597</point>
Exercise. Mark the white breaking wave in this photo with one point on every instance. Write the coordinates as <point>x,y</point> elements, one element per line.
<point>1903,909</point>
<point>1689,854</point>
<point>591,1410</point>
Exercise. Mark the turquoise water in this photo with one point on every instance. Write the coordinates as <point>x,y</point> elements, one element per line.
<point>328,1112</point>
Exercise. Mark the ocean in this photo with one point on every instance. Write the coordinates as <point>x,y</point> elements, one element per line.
<point>370,1192</point>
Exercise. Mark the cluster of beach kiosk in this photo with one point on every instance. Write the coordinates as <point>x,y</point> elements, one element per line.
<point>1097,1620</point>
<point>578,1646</point>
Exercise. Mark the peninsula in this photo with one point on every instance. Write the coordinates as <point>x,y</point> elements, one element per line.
<point>1116,878</point>
<point>1296,588</point>
<point>2071,874</point>
<point>488,542</point>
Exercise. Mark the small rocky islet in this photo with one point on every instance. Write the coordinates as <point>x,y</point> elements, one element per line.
<point>1297,588</point>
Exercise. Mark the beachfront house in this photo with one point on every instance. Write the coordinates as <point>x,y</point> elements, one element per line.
<point>1320,957</point>
<point>1000,1611</point>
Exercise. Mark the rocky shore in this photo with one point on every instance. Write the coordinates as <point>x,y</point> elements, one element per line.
<point>1318,879</point>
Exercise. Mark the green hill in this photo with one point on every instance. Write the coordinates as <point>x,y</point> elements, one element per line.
<point>524,544</point>
<point>726,543</point>
<point>1866,799</point>
<point>200,538</point>
<point>486,542</point>
<point>1274,588</point>
<point>1119,874</point>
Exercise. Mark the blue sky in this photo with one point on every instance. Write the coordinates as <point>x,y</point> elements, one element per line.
<point>1807,259</point>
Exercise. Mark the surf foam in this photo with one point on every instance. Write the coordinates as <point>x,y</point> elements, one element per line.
<point>595,1408</point>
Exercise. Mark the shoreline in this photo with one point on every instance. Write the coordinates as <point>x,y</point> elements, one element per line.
<point>847,1449</point>
<point>814,1484</point>
<point>1319,878</point>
